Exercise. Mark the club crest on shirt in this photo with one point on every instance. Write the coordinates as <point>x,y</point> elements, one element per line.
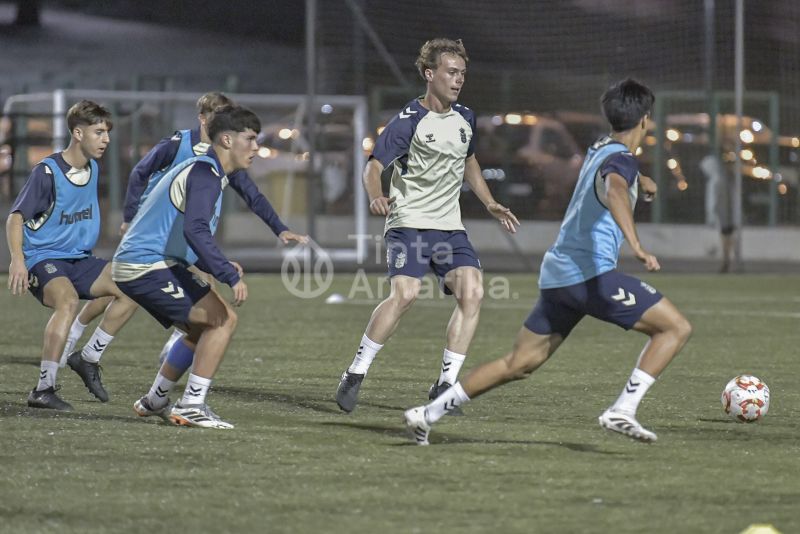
<point>50,268</point>
<point>429,138</point>
<point>463,133</point>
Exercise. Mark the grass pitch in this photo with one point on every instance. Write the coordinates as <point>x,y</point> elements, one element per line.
<point>528,457</point>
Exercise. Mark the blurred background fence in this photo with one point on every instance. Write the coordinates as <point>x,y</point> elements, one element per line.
<point>536,71</point>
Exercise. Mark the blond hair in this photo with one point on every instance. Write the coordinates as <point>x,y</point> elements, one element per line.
<point>431,52</point>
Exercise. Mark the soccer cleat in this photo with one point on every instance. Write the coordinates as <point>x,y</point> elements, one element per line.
<point>347,392</point>
<point>143,409</point>
<point>199,415</point>
<point>625,424</point>
<point>437,389</point>
<point>89,373</point>
<point>47,398</point>
<point>417,426</point>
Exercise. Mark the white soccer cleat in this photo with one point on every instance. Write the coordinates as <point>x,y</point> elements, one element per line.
<point>143,408</point>
<point>626,424</point>
<point>417,426</point>
<point>199,415</point>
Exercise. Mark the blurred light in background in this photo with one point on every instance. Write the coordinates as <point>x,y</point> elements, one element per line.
<point>746,136</point>
<point>756,126</point>
<point>513,118</point>
<point>264,152</point>
<point>782,189</point>
<point>746,154</point>
<point>673,134</point>
<point>762,173</point>
<point>285,133</point>
<point>683,185</point>
<point>672,164</point>
<point>328,109</point>
<point>367,144</point>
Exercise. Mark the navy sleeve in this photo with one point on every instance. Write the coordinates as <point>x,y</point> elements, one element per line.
<point>159,157</point>
<point>257,202</point>
<point>36,195</point>
<point>474,140</point>
<point>395,139</point>
<point>202,190</point>
<point>622,163</point>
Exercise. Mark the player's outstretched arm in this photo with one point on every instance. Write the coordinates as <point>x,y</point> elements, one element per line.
<point>473,176</point>
<point>17,272</point>
<point>648,186</point>
<point>378,203</point>
<point>619,205</point>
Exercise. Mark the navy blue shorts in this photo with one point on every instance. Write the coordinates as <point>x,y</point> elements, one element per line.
<point>413,252</point>
<point>612,297</point>
<point>81,272</point>
<point>167,294</point>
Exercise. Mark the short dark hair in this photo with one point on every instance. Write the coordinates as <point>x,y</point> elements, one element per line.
<point>430,54</point>
<point>211,101</point>
<point>626,103</point>
<point>232,118</point>
<point>86,113</point>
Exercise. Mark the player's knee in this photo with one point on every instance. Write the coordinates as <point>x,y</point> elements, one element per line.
<point>521,365</point>
<point>471,298</point>
<point>231,319</point>
<point>683,328</point>
<point>404,297</point>
<point>69,304</point>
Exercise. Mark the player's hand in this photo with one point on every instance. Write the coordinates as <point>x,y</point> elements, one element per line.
<point>650,261</point>
<point>239,293</point>
<point>287,236</point>
<point>123,228</point>
<point>381,205</point>
<point>18,277</point>
<point>504,215</point>
<point>238,268</point>
<point>649,187</point>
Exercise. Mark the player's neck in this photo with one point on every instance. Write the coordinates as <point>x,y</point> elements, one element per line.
<point>435,104</point>
<point>74,156</point>
<point>629,139</point>
<point>225,160</point>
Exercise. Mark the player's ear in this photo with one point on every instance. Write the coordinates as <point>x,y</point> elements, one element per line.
<point>429,75</point>
<point>77,133</point>
<point>226,139</point>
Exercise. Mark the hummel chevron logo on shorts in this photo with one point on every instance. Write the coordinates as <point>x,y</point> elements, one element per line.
<point>174,292</point>
<point>622,295</point>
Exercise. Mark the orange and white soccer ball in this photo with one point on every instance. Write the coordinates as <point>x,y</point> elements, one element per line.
<point>746,399</point>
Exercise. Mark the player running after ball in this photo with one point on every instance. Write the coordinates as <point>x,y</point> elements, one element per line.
<point>578,277</point>
<point>430,144</point>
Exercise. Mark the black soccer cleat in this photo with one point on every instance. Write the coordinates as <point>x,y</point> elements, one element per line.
<point>347,392</point>
<point>48,399</point>
<point>437,389</point>
<point>89,373</point>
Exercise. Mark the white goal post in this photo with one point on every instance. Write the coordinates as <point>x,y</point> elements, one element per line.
<point>352,114</point>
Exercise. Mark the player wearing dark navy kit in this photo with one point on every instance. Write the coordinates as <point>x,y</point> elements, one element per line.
<point>430,147</point>
<point>53,227</point>
<point>578,277</point>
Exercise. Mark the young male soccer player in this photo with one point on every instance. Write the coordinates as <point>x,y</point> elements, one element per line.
<point>173,229</point>
<point>430,145</point>
<point>578,277</point>
<point>163,157</point>
<point>52,228</point>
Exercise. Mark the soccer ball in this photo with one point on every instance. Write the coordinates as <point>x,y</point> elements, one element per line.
<point>746,399</point>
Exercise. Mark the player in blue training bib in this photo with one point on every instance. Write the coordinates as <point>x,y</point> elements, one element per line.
<point>578,277</point>
<point>53,227</point>
<point>430,148</point>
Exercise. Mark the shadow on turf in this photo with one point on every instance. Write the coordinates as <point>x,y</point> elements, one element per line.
<point>449,439</point>
<point>259,395</point>
<point>8,410</point>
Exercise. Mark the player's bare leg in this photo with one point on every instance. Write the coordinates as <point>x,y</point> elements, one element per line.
<point>669,331</point>
<point>530,351</point>
<point>90,311</point>
<point>212,323</point>
<point>466,283</point>
<point>60,295</point>
<point>86,362</point>
<point>382,325</point>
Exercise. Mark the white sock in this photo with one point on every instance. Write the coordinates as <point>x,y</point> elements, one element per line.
<point>47,375</point>
<point>445,402</point>
<point>364,356</point>
<point>93,350</point>
<point>632,393</point>
<point>157,397</point>
<point>176,335</point>
<point>196,390</point>
<point>75,333</point>
<point>451,365</point>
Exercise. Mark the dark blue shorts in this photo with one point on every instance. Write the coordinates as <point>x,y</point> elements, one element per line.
<point>81,273</point>
<point>413,252</point>
<point>612,297</point>
<point>167,294</point>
